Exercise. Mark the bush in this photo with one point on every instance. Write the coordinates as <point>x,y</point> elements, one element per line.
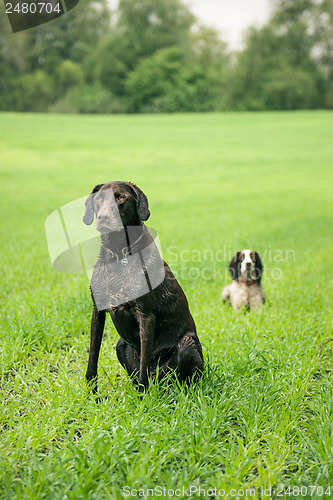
<point>290,88</point>
<point>166,82</point>
<point>276,71</point>
<point>108,65</point>
<point>69,74</point>
<point>34,91</point>
<point>153,77</point>
<point>328,98</point>
<point>96,99</point>
<point>66,103</point>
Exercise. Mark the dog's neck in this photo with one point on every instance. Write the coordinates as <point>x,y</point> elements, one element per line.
<point>247,283</point>
<point>125,242</point>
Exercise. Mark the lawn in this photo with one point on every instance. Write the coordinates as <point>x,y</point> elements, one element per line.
<point>260,421</point>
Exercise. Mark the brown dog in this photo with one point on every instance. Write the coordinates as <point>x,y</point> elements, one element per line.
<point>131,282</point>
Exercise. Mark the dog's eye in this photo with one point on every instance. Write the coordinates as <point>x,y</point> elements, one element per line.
<point>120,197</point>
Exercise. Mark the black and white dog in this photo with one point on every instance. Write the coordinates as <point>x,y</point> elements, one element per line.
<point>245,290</point>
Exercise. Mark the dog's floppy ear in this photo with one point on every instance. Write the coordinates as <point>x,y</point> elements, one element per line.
<point>89,213</point>
<point>141,202</point>
<point>234,266</point>
<point>259,267</point>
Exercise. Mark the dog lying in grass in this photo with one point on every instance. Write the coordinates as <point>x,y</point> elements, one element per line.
<point>245,290</point>
<point>157,330</point>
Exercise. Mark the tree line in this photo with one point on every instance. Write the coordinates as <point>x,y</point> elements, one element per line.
<point>155,56</point>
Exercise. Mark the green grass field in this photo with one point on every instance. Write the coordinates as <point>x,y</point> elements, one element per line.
<point>262,415</point>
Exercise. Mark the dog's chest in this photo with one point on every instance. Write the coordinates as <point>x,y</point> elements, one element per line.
<point>115,282</point>
<point>254,297</point>
<point>244,295</point>
<point>118,282</point>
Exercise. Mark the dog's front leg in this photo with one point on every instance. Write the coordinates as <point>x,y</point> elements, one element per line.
<point>147,328</point>
<point>96,334</point>
<point>263,295</point>
<point>225,293</point>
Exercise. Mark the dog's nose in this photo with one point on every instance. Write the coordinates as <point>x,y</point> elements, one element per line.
<point>102,217</point>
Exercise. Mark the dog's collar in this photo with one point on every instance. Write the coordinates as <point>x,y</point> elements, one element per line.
<point>248,283</point>
<point>125,251</point>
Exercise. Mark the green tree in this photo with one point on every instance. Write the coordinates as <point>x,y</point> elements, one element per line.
<point>34,91</point>
<point>111,63</point>
<point>276,71</point>
<point>289,88</point>
<point>14,60</point>
<point>169,81</point>
<point>41,51</point>
<point>317,16</point>
<point>68,74</point>
<point>150,25</point>
<point>154,78</point>
<point>70,37</point>
<point>140,39</point>
<point>142,28</point>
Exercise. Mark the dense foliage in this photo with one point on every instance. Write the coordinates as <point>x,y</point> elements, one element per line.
<point>154,56</point>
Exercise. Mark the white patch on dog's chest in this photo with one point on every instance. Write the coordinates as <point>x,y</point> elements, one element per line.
<point>243,295</point>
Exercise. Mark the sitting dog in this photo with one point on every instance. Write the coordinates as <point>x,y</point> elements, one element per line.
<point>130,281</point>
<point>246,289</point>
